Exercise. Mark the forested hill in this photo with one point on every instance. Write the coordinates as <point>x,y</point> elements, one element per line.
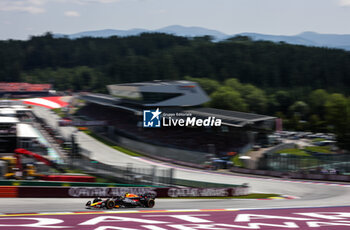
<point>91,63</point>
<point>308,87</point>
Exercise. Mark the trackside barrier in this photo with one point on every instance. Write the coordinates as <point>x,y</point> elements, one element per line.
<point>178,182</point>
<point>293,175</point>
<point>70,178</point>
<point>125,173</point>
<point>8,191</point>
<point>89,192</point>
<point>200,184</point>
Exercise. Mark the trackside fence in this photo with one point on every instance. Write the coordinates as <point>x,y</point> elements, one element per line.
<point>128,174</point>
<point>293,175</point>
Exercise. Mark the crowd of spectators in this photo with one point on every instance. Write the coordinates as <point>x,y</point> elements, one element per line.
<point>19,86</point>
<point>23,90</point>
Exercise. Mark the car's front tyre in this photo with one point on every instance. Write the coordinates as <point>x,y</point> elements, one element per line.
<point>110,204</point>
<point>150,203</point>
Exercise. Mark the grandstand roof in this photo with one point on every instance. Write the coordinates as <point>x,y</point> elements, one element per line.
<point>7,112</point>
<point>8,120</point>
<point>107,100</point>
<point>160,93</point>
<point>231,118</point>
<point>26,131</point>
<point>9,103</point>
<point>155,82</point>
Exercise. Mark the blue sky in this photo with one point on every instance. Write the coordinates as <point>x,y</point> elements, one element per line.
<point>21,18</point>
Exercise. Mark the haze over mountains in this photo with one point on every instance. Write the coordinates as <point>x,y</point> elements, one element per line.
<point>340,41</point>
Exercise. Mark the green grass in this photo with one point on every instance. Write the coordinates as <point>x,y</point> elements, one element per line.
<point>201,184</point>
<point>103,180</point>
<point>80,101</point>
<point>318,140</point>
<point>319,149</point>
<point>249,196</point>
<point>74,171</point>
<point>126,151</point>
<point>111,144</point>
<point>236,161</point>
<point>296,152</point>
<point>258,196</point>
<point>59,112</point>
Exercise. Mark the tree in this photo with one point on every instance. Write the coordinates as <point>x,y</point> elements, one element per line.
<point>294,123</point>
<point>226,98</point>
<point>338,117</point>
<point>315,123</point>
<point>299,108</point>
<point>284,100</point>
<point>254,97</point>
<point>267,76</point>
<point>234,83</point>
<point>317,100</point>
<point>208,85</point>
<point>163,56</point>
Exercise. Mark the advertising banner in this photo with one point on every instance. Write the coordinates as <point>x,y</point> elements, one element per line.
<point>81,123</point>
<point>90,192</point>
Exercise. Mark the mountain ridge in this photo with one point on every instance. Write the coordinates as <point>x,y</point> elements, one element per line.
<point>307,38</point>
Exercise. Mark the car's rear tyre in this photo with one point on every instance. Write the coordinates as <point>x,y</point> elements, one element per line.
<point>150,203</point>
<point>110,204</point>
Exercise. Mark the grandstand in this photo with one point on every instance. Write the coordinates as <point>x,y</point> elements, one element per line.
<point>15,131</point>
<point>22,90</point>
<point>160,93</point>
<point>123,109</point>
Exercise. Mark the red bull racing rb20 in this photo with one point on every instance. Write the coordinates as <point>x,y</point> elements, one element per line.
<point>146,200</point>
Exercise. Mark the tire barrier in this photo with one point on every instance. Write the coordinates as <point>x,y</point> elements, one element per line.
<point>90,192</point>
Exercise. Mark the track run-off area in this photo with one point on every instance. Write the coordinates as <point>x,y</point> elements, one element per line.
<point>330,218</point>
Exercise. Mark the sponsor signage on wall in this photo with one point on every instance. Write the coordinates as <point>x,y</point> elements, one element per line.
<point>89,192</point>
<point>81,123</point>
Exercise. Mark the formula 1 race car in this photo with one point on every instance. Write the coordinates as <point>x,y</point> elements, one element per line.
<point>144,201</point>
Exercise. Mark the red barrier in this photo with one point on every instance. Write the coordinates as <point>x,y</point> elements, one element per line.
<point>8,191</point>
<point>69,178</point>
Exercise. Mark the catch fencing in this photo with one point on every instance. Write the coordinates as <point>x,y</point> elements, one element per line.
<point>128,174</point>
<point>315,163</point>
